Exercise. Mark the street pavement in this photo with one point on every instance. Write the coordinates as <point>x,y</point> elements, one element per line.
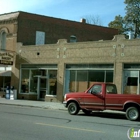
<point>42,104</point>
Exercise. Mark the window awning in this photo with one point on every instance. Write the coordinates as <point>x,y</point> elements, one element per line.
<point>5,73</point>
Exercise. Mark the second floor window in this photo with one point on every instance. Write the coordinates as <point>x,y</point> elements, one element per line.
<point>3,40</point>
<point>40,38</point>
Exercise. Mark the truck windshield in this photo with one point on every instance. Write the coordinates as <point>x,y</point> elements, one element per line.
<point>111,89</point>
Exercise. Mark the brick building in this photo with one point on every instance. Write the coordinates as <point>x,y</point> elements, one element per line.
<point>45,65</point>
<point>29,27</point>
<point>32,29</point>
<point>49,71</point>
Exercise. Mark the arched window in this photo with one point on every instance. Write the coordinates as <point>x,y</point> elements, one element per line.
<point>73,38</point>
<point>3,40</point>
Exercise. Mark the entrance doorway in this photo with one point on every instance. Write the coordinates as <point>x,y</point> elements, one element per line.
<point>42,88</point>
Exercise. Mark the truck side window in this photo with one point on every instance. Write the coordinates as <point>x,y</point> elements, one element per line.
<point>96,89</point>
<point>111,89</point>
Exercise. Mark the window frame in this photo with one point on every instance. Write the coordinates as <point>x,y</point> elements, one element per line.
<point>30,69</point>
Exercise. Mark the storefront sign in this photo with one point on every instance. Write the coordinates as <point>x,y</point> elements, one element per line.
<point>6,58</point>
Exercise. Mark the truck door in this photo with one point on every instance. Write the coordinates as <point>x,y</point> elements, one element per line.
<point>94,98</point>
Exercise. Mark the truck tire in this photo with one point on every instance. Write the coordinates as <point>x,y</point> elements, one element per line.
<point>132,113</point>
<point>73,108</point>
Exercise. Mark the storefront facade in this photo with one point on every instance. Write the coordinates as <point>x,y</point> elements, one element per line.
<point>5,78</point>
<point>38,81</point>
<point>32,69</point>
<point>81,76</point>
<point>6,62</point>
<point>47,72</point>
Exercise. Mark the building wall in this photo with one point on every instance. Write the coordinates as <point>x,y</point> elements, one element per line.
<point>10,27</point>
<point>22,27</point>
<point>25,25</point>
<point>117,51</point>
<point>56,28</point>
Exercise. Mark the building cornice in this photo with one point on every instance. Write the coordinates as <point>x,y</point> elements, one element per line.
<point>9,21</point>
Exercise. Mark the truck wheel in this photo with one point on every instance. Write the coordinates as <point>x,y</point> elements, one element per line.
<point>87,112</point>
<point>132,113</point>
<point>73,108</point>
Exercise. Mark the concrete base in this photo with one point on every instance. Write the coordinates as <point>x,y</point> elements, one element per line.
<point>27,96</point>
<point>48,98</point>
<point>2,94</point>
<point>51,98</point>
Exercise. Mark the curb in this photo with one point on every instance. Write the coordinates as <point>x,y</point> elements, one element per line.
<point>32,106</point>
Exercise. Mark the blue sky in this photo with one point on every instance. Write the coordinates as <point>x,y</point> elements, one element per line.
<point>73,10</point>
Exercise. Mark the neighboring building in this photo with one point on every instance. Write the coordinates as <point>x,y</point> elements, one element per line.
<point>49,71</point>
<point>32,29</point>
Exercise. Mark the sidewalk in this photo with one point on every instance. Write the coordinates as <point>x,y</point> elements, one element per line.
<point>29,103</point>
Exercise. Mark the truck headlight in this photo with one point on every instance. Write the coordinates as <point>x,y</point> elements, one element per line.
<point>65,97</point>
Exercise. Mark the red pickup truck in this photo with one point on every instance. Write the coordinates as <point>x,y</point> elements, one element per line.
<point>103,96</point>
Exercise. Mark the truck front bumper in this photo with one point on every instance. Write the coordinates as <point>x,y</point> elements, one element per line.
<point>65,103</point>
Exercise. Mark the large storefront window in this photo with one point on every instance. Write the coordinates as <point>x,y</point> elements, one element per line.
<point>33,81</point>
<point>131,78</point>
<point>78,80</point>
<point>52,82</point>
<point>5,77</point>
<point>4,82</point>
<point>96,75</point>
<point>79,77</point>
<point>82,77</point>
<point>25,81</point>
<point>109,76</point>
<point>41,81</point>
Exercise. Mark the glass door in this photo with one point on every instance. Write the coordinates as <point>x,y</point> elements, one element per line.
<point>42,87</point>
